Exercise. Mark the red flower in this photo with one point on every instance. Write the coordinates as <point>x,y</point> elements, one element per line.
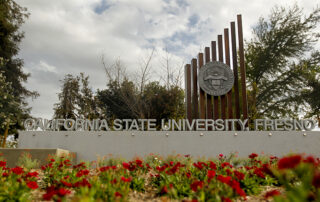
<point>85,172</point>
<point>139,163</point>
<point>213,166</point>
<point>253,155</point>
<point>52,160</point>
<point>79,173</point>
<point>240,192</point>
<point>114,181</point>
<point>126,179</point>
<point>62,192</point>
<point>32,185</point>
<point>17,170</point>
<point>32,174</point>
<point>289,162</point>
<point>67,184</point>
<point>211,174</point>
<point>225,199</point>
<point>224,179</point>
<point>220,155</point>
<point>239,175</point>
<point>129,166</point>
<point>273,157</point>
<point>310,160</point>
<point>229,172</point>
<point>272,193</point>
<point>148,166</point>
<point>49,193</point>
<point>225,164</point>
<point>198,165</point>
<point>80,165</point>
<point>188,174</point>
<point>161,168</point>
<point>316,180</point>
<point>196,184</point>
<point>105,168</point>
<point>48,196</point>
<point>3,164</point>
<point>117,194</point>
<point>259,173</point>
<point>83,183</point>
<point>164,190</point>
<point>5,174</point>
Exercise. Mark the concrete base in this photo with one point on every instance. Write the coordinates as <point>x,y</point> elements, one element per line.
<point>12,155</point>
<point>128,144</point>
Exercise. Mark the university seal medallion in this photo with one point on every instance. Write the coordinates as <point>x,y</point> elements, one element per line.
<point>216,78</point>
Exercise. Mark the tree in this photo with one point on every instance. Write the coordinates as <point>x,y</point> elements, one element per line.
<point>310,96</point>
<point>9,108</point>
<point>12,16</point>
<point>68,98</point>
<point>76,99</point>
<point>87,102</point>
<point>163,103</point>
<point>120,100</point>
<point>274,77</point>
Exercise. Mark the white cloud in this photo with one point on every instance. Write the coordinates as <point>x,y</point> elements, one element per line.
<point>69,36</point>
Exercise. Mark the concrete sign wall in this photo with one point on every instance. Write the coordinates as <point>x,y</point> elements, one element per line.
<point>128,144</point>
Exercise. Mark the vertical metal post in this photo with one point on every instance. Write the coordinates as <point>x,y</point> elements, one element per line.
<point>215,98</point>
<point>195,113</point>
<point>209,97</point>
<point>242,69</point>
<point>235,69</point>
<point>187,73</point>
<point>202,112</point>
<point>222,97</point>
<point>227,55</point>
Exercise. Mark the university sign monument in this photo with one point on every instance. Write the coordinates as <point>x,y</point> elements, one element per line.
<point>216,118</point>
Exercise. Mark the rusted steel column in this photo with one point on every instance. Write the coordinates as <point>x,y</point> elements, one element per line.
<point>195,114</point>
<point>227,55</point>
<point>202,112</point>
<point>215,98</point>
<point>187,82</point>
<point>209,97</point>
<point>222,97</point>
<point>242,69</point>
<point>235,69</point>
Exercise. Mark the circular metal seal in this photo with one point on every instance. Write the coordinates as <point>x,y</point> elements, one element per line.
<point>216,78</point>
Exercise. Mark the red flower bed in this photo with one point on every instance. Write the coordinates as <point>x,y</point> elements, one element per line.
<point>181,178</point>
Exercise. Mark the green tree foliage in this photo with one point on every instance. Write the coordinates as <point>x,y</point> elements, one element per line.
<point>120,100</point>
<point>125,101</point>
<point>69,98</point>
<point>76,99</point>
<point>13,94</point>
<point>310,95</point>
<point>273,61</point>
<point>12,16</point>
<point>9,109</point>
<point>87,103</point>
<point>162,102</point>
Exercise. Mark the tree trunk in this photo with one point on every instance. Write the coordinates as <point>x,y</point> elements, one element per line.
<point>5,135</point>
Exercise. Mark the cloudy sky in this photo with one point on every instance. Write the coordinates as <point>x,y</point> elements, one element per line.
<point>70,36</point>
